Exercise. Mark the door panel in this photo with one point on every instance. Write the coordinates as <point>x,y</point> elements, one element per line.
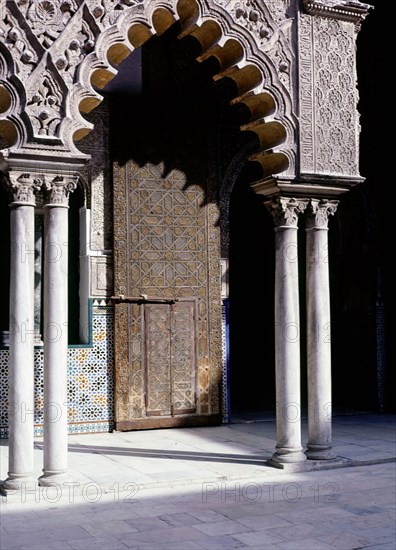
<point>183,358</point>
<point>170,359</point>
<point>158,359</point>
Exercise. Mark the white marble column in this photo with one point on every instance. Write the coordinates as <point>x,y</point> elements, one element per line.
<point>38,275</point>
<point>318,330</point>
<point>21,351</point>
<point>287,332</point>
<point>55,331</point>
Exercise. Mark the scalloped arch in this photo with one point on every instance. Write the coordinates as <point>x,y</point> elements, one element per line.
<point>12,128</point>
<point>248,71</point>
<point>235,65</point>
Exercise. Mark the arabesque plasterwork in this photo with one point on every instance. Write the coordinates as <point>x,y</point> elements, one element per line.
<point>329,121</point>
<point>53,46</point>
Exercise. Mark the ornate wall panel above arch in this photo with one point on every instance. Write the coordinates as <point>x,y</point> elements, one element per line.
<point>64,53</point>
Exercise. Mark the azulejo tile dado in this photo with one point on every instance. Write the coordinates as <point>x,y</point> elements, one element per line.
<point>90,380</point>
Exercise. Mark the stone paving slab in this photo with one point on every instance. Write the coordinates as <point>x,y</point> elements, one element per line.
<point>316,511</point>
<point>215,495</point>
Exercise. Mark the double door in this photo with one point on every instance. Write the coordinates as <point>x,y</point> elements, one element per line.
<point>170,358</point>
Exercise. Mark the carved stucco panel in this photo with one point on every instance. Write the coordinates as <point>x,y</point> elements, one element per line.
<point>14,37</point>
<point>243,8</point>
<point>107,12</point>
<point>328,97</point>
<point>127,383</point>
<point>71,48</point>
<point>96,174</point>
<point>101,211</point>
<point>45,103</point>
<point>250,15</point>
<point>271,27</point>
<point>47,18</point>
<point>278,9</point>
<point>214,283</point>
<point>284,65</point>
<point>101,270</point>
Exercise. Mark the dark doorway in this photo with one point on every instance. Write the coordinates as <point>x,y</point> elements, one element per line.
<point>76,201</point>
<point>251,278</point>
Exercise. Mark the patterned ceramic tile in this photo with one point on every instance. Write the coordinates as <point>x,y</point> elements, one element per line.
<point>90,380</point>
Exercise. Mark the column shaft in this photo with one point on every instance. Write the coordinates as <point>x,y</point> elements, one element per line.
<point>287,334</point>
<point>21,343</point>
<point>318,332</point>
<point>55,345</point>
<point>38,275</point>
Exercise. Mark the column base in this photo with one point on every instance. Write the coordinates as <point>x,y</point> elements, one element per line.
<point>320,452</point>
<point>16,483</point>
<point>53,478</point>
<point>288,455</point>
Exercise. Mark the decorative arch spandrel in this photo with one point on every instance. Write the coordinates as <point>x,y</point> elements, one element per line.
<point>81,42</point>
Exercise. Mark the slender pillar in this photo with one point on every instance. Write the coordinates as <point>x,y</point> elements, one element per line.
<point>55,331</point>
<point>38,274</point>
<point>287,331</point>
<point>318,330</point>
<point>21,350</point>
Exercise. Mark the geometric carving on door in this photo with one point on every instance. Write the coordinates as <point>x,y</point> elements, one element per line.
<point>170,358</point>
<point>167,233</point>
<point>166,245</point>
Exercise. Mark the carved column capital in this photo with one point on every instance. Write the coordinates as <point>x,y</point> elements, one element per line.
<point>58,190</point>
<point>318,212</point>
<point>285,211</point>
<point>23,186</point>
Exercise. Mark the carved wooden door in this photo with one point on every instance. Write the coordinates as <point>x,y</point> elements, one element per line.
<point>170,359</point>
<point>168,341</point>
